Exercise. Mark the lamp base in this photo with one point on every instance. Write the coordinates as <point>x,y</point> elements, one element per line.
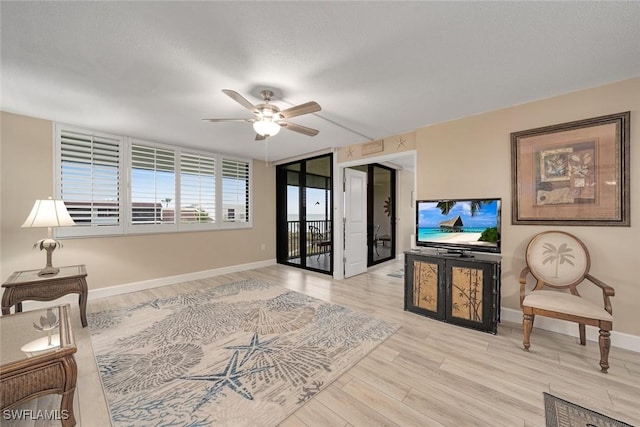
<point>49,245</point>
<point>49,271</point>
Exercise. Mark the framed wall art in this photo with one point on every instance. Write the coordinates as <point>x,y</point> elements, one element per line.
<point>573,173</point>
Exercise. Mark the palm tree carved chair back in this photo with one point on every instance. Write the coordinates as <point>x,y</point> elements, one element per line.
<point>558,262</point>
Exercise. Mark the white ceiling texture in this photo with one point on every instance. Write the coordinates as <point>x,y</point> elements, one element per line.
<point>154,70</point>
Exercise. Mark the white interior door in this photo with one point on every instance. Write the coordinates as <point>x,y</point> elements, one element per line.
<point>355,226</point>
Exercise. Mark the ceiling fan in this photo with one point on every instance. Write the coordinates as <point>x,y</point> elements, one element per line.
<point>269,118</point>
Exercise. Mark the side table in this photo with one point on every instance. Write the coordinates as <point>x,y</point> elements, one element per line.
<point>52,370</point>
<point>27,285</point>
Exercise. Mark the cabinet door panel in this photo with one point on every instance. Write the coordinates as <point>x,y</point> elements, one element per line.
<point>467,286</point>
<point>425,285</point>
<point>470,294</point>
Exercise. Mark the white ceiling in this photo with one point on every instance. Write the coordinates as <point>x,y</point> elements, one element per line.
<point>153,70</point>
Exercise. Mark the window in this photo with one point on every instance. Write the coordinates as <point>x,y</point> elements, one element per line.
<point>235,191</point>
<point>89,169</point>
<point>153,184</point>
<point>168,188</point>
<point>197,188</point>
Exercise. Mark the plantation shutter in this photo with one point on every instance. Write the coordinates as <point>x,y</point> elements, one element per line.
<point>89,170</point>
<point>153,186</point>
<point>197,189</point>
<point>114,185</point>
<point>235,191</point>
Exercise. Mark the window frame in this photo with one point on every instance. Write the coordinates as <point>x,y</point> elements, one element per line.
<point>126,227</point>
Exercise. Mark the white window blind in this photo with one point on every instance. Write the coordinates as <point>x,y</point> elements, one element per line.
<point>235,191</point>
<point>115,185</point>
<point>89,172</point>
<point>197,189</point>
<point>153,185</point>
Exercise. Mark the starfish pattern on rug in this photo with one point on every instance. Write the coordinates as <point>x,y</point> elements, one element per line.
<point>230,377</point>
<point>254,347</point>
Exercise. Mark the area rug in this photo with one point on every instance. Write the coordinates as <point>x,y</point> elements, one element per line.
<point>560,413</point>
<point>243,353</point>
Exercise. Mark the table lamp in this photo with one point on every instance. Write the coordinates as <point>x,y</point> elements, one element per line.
<point>48,213</point>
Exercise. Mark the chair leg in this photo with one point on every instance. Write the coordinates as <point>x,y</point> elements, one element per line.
<point>605,344</point>
<point>583,339</point>
<point>527,326</point>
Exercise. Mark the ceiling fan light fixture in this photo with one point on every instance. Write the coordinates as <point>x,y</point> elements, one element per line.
<point>268,118</point>
<point>266,127</point>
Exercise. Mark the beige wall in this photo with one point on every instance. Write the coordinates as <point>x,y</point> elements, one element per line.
<point>27,174</point>
<point>471,157</point>
<point>405,210</point>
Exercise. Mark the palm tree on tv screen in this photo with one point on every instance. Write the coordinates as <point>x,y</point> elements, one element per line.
<point>446,207</point>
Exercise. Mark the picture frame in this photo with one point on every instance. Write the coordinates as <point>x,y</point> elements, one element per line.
<point>574,173</point>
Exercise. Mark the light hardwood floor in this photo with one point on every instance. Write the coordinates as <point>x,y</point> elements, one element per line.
<point>427,374</point>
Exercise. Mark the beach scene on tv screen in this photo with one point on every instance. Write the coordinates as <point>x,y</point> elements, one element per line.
<point>459,222</point>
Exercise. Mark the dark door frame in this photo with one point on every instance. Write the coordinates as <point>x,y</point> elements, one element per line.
<point>282,245</point>
<point>370,220</point>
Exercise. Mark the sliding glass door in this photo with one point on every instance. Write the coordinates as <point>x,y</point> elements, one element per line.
<point>304,214</point>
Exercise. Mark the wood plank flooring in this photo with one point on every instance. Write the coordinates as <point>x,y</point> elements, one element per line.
<point>427,374</point>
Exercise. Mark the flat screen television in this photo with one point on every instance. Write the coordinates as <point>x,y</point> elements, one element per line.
<point>459,226</point>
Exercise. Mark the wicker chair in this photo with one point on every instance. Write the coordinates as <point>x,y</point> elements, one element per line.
<point>319,241</point>
<point>560,261</point>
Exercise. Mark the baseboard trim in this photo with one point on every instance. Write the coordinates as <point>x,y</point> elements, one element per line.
<point>618,339</point>
<point>148,284</point>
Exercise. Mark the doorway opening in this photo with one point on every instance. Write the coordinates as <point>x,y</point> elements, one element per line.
<point>402,215</point>
<point>304,203</point>
<point>381,212</point>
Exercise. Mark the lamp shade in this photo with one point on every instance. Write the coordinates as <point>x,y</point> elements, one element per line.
<point>48,213</point>
<point>266,127</point>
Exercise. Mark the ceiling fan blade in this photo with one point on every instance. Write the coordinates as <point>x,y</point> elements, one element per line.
<point>230,120</point>
<point>241,100</point>
<point>260,137</point>
<point>298,110</point>
<point>299,128</point>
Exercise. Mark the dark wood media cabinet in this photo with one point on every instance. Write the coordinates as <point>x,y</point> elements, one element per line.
<point>463,291</point>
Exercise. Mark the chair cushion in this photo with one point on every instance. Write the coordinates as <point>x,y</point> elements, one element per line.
<point>563,302</point>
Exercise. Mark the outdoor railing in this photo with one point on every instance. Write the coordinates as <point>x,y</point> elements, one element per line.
<point>293,237</point>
